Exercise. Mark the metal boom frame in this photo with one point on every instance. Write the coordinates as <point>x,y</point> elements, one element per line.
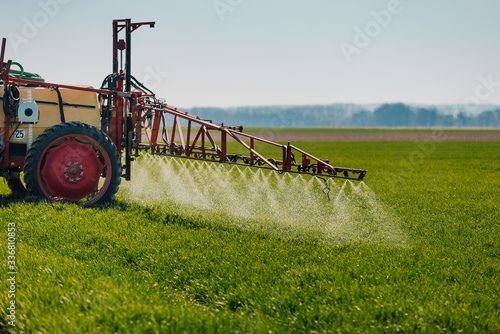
<point>191,143</point>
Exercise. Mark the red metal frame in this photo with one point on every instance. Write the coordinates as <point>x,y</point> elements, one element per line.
<point>4,76</point>
<point>2,52</point>
<point>123,109</point>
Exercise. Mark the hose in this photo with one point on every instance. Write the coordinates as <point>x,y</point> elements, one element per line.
<point>142,86</point>
<point>20,67</point>
<point>11,99</point>
<point>61,108</point>
<point>21,74</point>
<point>326,189</point>
<point>108,83</point>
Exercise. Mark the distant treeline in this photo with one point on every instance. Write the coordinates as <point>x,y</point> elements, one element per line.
<point>350,115</point>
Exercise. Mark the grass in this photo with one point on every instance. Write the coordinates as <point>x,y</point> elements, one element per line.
<point>144,267</point>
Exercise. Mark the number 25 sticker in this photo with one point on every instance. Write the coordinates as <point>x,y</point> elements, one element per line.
<point>19,134</point>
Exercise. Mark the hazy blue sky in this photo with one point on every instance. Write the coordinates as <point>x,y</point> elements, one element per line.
<point>259,52</point>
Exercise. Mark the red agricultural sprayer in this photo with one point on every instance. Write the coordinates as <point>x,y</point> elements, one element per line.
<point>75,143</point>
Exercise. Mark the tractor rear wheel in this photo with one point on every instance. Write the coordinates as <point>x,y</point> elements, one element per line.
<point>75,162</point>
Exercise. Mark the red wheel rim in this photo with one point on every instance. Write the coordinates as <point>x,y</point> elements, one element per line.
<point>72,167</point>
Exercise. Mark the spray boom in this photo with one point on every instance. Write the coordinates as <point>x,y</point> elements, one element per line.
<point>199,142</point>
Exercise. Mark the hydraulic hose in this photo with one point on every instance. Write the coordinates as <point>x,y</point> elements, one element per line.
<point>21,72</point>
<point>11,99</point>
<point>61,107</point>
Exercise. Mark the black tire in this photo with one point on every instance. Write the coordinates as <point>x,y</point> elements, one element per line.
<point>73,161</point>
<point>16,185</point>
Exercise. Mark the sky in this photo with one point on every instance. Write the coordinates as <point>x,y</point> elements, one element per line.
<point>270,52</point>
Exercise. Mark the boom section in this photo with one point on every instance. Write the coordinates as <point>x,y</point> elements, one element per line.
<point>190,137</point>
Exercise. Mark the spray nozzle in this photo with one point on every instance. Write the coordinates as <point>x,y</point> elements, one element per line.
<point>326,189</point>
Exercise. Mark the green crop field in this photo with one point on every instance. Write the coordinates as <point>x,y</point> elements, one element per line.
<point>201,249</point>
